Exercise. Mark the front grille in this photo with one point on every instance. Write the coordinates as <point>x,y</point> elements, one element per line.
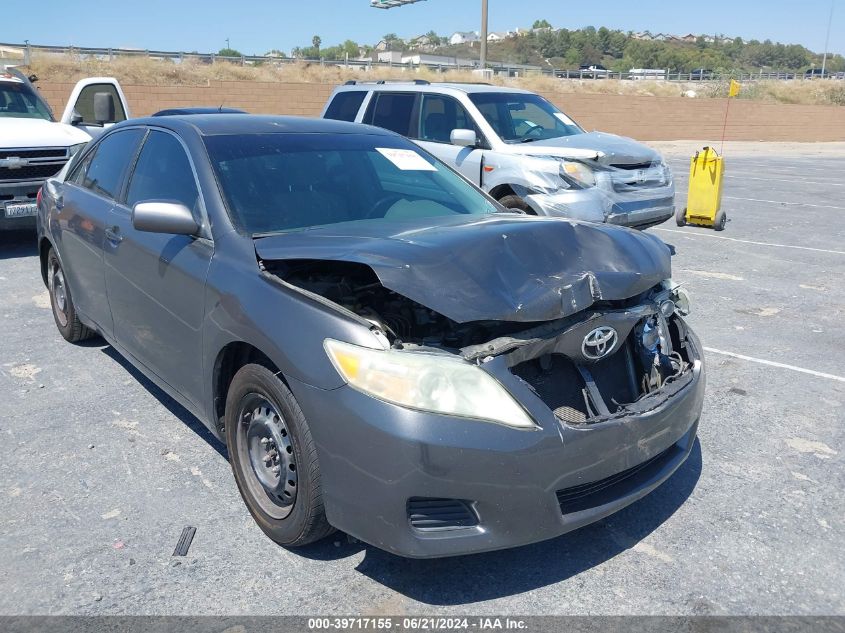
<point>558,383</point>
<point>597,493</point>
<point>31,172</point>
<point>57,152</point>
<point>429,514</point>
<point>632,166</point>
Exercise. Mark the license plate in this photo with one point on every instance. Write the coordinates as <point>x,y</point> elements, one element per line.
<point>20,210</point>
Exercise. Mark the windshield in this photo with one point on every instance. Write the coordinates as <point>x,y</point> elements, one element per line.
<point>522,118</point>
<point>18,100</point>
<point>282,182</point>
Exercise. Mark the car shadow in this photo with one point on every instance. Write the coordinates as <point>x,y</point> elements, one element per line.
<point>186,417</point>
<point>14,244</point>
<point>466,579</point>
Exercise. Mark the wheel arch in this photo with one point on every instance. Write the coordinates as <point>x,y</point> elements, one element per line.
<point>44,246</point>
<point>230,359</point>
<point>500,191</point>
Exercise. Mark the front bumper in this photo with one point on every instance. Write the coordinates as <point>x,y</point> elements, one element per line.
<point>638,210</point>
<point>523,486</point>
<point>16,193</point>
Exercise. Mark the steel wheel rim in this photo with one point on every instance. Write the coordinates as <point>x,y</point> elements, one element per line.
<point>58,292</point>
<point>266,455</point>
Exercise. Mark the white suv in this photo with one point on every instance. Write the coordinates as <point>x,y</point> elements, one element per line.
<point>519,148</point>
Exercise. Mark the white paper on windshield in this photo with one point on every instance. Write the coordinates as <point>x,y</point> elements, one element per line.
<point>406,159</point>
<point>565,119</point>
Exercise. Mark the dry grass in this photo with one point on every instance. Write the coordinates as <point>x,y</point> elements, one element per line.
<point>145,71</point>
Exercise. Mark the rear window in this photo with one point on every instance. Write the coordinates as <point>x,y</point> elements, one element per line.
<point>391,111</point>
<point>345,106</point>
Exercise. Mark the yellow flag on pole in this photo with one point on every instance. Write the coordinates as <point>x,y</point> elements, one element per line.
<point>735,88</point>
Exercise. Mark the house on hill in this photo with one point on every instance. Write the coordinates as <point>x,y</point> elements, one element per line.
<point>468,37</point>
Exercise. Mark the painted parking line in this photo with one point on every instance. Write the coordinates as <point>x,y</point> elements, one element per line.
<point>803,182</point>
<point>791,204</point>
<point>734,239</point>
<point>771,363</point>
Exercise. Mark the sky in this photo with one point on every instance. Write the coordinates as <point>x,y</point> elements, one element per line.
<point>257,26</point>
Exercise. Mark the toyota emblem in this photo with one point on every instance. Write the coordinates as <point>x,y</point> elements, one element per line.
<point>599,343</point>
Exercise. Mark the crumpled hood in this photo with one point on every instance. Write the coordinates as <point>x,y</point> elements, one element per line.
<point>609,148</point>
<point>501,267</point>
<point>19,132</point>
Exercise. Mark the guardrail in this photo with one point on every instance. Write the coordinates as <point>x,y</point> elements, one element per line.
<point>499,68</point>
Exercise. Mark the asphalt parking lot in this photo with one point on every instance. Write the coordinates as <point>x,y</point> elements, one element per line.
<point>100,471</point>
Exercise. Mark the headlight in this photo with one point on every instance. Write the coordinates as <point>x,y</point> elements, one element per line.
<point>73,149</point>
<point>579,173</point>
<point>427,382</point>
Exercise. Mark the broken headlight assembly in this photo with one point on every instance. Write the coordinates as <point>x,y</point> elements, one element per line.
<point>577,174</point>
<point>427,382</point>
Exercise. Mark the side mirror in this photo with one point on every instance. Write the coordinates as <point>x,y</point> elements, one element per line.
<point>32,78</point>
<point>164,217</point>
<point>463,138</point>
<point>76,118</point>
<point>103,107</point>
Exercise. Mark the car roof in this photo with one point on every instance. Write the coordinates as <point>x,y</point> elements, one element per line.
<point>219,124</point>
<point>199,110</point>
<point>409,86</point>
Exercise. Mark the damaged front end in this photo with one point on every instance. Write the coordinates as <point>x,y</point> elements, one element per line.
<point>613,359</point>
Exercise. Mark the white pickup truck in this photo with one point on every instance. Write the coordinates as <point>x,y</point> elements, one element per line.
<point>35,146</point>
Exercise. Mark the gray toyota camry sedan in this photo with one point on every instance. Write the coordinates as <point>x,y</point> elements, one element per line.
<point>383,348</point>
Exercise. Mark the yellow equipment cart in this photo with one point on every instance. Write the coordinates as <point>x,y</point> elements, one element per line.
<point>704,201</point>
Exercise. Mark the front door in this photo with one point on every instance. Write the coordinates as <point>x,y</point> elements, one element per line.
<point>155,281</point>
<point>438,116</point>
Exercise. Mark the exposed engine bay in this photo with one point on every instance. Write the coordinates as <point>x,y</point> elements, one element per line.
<point>639,345</point>
<point>357,288</point>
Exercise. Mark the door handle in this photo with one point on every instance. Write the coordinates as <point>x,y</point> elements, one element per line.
<point>113,235</point>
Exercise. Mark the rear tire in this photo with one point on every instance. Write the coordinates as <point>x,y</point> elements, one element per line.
<point>274,458</point>
<point>720,221</point>
<point>515,202</point>
<point>64,312</point>
<point>681,217</point>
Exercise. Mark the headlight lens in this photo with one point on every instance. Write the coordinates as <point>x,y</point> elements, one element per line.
<point>582,175</point>
<point>427,382</point>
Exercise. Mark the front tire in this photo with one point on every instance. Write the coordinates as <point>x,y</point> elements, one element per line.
<point>681,217</point>
<point>720,221</point>
<point>516,202</point>
<point>274,458</point>
<point>64,312</point>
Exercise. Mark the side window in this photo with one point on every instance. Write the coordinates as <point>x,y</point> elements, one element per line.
<point>440,115</point>
<point>85,103</point>
<point>391,111</point>
<point>163,172</point>
<point>345,105</point>
<point>103,172</point>
<point>81,170</point>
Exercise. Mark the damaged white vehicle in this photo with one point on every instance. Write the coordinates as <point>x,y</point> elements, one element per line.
<point>520,149</point>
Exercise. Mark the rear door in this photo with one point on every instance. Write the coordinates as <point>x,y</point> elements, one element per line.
<point>155,281</point>
<point>437,116</point>
<point>83,208</point>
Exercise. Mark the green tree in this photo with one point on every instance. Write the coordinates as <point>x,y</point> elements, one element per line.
<point>541,24</point>
<point>229,52</point>
<point>316,41</point>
